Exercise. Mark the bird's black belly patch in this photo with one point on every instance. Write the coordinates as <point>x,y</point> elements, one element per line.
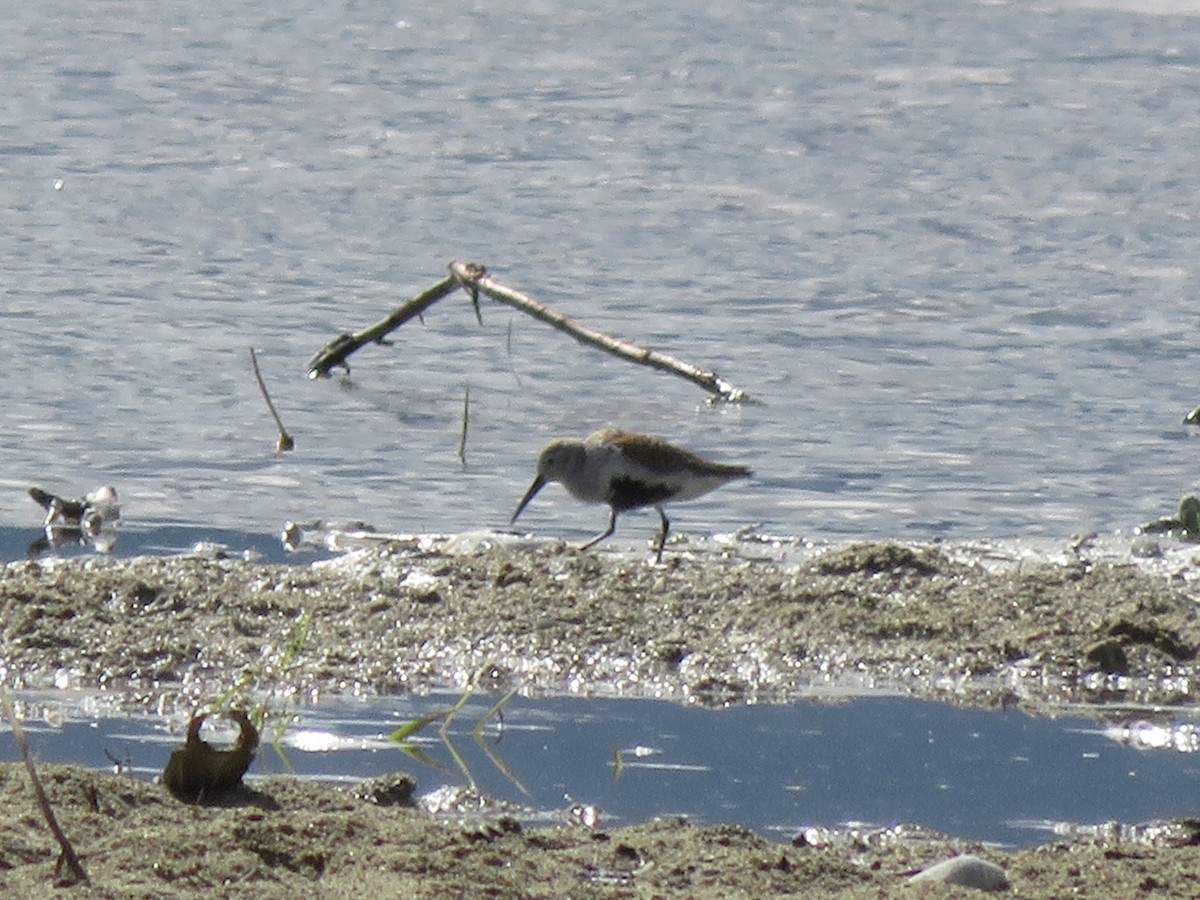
<point>630,493</point>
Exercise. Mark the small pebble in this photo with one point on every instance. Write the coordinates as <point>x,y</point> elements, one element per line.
<point>966,870</point>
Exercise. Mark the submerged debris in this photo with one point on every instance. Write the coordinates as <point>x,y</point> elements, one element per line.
<point>393,789</point>
<point>1185,524</point>
<point>318,535</point>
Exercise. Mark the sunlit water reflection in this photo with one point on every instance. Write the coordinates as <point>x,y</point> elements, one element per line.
<point>998,776</point>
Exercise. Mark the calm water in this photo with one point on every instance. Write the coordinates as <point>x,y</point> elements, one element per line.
<point>878,761</point>
<point>950,244</point>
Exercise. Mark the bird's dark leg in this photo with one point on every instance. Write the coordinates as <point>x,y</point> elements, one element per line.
<point>612,526</point>
<point>662,535</point>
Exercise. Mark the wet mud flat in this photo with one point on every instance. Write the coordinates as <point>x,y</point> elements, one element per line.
<point>287,838</point>
<point>1077,622</point>
<point>980,624</point>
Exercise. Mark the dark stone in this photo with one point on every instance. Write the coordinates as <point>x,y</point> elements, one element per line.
<point>1109,657</point>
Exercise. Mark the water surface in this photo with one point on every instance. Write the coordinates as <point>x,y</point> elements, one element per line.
<point>950,245</point>
<point>871,761</point>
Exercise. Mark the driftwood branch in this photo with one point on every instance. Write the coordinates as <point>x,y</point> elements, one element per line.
<point>474,279</point>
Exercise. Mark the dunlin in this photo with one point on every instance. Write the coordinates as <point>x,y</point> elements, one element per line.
<point>627,471</point>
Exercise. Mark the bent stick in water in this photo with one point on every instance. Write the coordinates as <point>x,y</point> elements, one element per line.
<point>474,279</point>
<point>286,441</point>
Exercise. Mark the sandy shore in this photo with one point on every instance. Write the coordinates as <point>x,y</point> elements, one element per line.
<point>981,624</point>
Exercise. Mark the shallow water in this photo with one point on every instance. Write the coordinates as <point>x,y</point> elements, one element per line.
<point>157,540</point>
<point>951,245</point>
<point>874,761</point>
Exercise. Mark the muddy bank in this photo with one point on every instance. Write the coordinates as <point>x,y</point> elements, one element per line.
<point>977,624</point>
<point>961,622</point>
<point>288,839</point>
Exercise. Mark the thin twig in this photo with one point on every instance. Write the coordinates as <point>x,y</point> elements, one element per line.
<point>466,281</point>
<point>335,352</point>
<point>508,353</point>
<point>462,440</point>
<point>444,734</point>
<point>67,856</point>
<point>285,441</point>
<point>474,275</point>
<point>477,733</point>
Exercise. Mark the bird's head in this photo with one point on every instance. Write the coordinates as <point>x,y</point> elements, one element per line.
<point>554,463</point>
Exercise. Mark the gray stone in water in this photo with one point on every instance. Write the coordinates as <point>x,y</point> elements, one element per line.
<point>966,870</point>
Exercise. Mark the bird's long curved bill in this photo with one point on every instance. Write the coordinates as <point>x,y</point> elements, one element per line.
<point>538,484</point>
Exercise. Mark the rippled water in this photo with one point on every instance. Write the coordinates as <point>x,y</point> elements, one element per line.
<point>950,245</point>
